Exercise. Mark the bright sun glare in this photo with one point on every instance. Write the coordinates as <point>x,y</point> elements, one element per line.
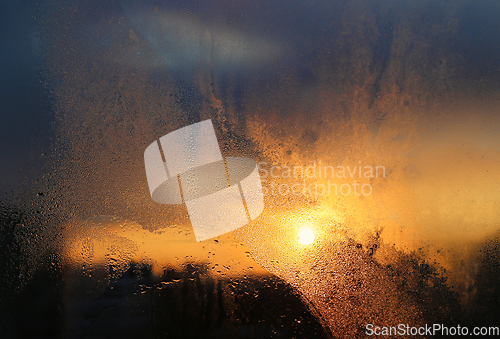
<point>306,236</point>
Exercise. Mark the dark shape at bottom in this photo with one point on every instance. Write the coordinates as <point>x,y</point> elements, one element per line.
<point>194,304</point>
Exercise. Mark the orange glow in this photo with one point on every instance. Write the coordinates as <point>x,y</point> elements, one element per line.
<point>106,240</point>
<point>306,236</point>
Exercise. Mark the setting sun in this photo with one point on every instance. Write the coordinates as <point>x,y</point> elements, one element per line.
<point>306,236</point>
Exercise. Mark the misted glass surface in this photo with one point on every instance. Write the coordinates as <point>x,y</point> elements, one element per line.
<point>374,128</point>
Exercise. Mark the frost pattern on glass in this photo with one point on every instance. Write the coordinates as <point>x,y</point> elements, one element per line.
<point>344,84</point>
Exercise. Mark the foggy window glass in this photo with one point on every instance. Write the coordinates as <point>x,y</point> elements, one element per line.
<point>249,169</point>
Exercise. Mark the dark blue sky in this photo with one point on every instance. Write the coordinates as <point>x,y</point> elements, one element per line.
<point>25,112</point>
